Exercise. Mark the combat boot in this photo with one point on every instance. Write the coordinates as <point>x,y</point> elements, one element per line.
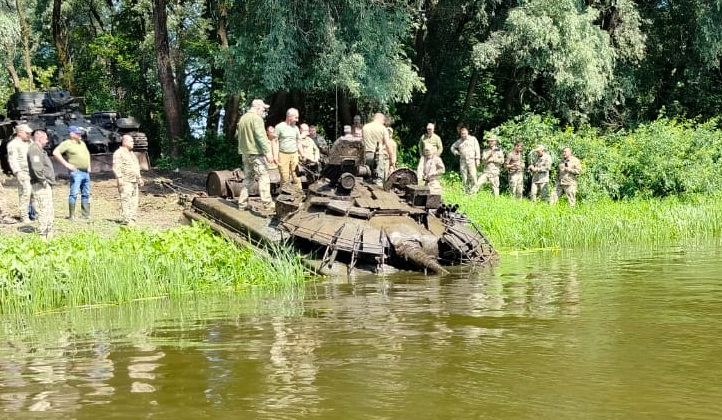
<point>71,211</point>
<point>85,208</point>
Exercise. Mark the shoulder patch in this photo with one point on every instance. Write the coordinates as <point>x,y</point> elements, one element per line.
<point>36,159</point>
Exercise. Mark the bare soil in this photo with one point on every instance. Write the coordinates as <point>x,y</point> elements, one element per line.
<point>162,201</point>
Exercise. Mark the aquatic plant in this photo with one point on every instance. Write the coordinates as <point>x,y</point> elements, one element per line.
<point>86,269</point>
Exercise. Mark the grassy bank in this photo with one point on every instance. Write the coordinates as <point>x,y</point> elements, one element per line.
<point>84,268</point>
<point>523,225</point>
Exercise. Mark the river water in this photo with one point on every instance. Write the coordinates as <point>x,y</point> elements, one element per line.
<point>627,334</point>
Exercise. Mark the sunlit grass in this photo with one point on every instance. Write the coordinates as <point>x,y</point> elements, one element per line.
<point>522,225</point>
<point>86,269</point>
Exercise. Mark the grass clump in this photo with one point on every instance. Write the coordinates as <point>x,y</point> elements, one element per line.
<point>522,225</point>
<point>86,269</point>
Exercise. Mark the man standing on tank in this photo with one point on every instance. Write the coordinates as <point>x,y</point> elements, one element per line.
<point>42,179</point>
<point>289,148</point>
<point>255,150</point>
<point>375,138</point>
<point>18,160</point>
<point>74,155</point>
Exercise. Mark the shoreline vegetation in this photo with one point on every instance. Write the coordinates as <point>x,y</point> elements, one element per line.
<point>521,225</point>
<point>84,268</point>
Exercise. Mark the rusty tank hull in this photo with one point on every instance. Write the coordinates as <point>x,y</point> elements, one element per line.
<point>342,221</point>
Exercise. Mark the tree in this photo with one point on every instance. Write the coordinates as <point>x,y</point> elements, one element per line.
<point>556,56</point>
<point>171,100</point>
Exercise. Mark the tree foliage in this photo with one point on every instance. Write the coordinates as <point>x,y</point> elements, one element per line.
<point>607,64</point>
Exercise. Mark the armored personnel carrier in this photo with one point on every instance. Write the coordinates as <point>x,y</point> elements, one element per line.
<point>343,222</point>
<point>54,111</point>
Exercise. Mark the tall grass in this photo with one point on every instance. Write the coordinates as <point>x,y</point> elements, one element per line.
<point>522,225</point>
<point>86,269</point>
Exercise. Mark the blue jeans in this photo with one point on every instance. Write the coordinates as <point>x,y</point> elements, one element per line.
<point>79,182</point>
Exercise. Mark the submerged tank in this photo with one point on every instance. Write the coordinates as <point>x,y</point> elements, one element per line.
<point>56,110</point>
<point>342,221</point>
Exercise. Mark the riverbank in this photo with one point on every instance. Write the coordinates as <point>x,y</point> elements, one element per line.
<point>159,206</point>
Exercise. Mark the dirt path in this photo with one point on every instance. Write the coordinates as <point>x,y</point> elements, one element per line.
<point>160,207</point>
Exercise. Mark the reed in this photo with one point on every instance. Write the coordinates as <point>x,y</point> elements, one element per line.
<point>86,269</point>
<point>522,225</point>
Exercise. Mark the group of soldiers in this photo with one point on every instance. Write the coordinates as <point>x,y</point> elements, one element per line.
<point>493,160</point>
<point>287,144</point>
<point>34,171</point>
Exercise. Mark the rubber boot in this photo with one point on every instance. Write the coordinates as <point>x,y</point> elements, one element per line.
<point>85,208</point>
<point>71,211</point>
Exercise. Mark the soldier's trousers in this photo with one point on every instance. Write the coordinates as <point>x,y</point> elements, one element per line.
<point>539,186</point>
<point>287,165</point>
<point>255,169</point>
<point>128,201</point>
<point>468,173</point>
<point>569,190</point>
<point>42,198</point>
<point>24,192</point>
<point>434,187</point>
<point>491,179</point>
<point>516,184</point>
<point>4,209</point>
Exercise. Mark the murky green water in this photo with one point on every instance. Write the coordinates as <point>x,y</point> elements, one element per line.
<point>632,335</point>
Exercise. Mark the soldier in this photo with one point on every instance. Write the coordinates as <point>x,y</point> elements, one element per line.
<point>346,133</point>
<point>389,165</point>
<point>78,164</point>
<point>271,134</point>
<point>431,138</point>
<point>18,160</point>
<point>569,168</point>
<point>376,139</point>
<point>493,159</point>
<point>514,165</point>
<point>127,173</point>
<point>308,147</point>
<point>432,167</point>
<point>540,170</point>
<point>255,149</point>
<point>42,179</point>
<point>467,148</point>
<point>318,139</point>
<point>289,153</point>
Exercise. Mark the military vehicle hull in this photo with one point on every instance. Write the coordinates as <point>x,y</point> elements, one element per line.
<point>55,111</point>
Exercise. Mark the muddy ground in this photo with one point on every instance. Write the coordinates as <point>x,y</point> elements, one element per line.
<point>161,202</point>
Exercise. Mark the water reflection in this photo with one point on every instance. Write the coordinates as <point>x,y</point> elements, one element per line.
<point>540,336</point>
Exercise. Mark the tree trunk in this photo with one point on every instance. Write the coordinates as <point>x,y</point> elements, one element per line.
<point>14,75</point>
<point>230,119</point>
<point>61,47</point>
<point>470,90</point>
<point>25,35</point>
<point>171,100</point>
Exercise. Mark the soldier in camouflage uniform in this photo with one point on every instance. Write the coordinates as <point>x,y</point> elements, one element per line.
<point>569,168</point>
<point>127,173</point>
<point>514,165</point>
<point>18,160</point>
<point>255,150</point>
<point>469,152</point>
<point>42,179</point>
<point>493,159</point>
<point>540,170</point>
<point>432,167</point>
